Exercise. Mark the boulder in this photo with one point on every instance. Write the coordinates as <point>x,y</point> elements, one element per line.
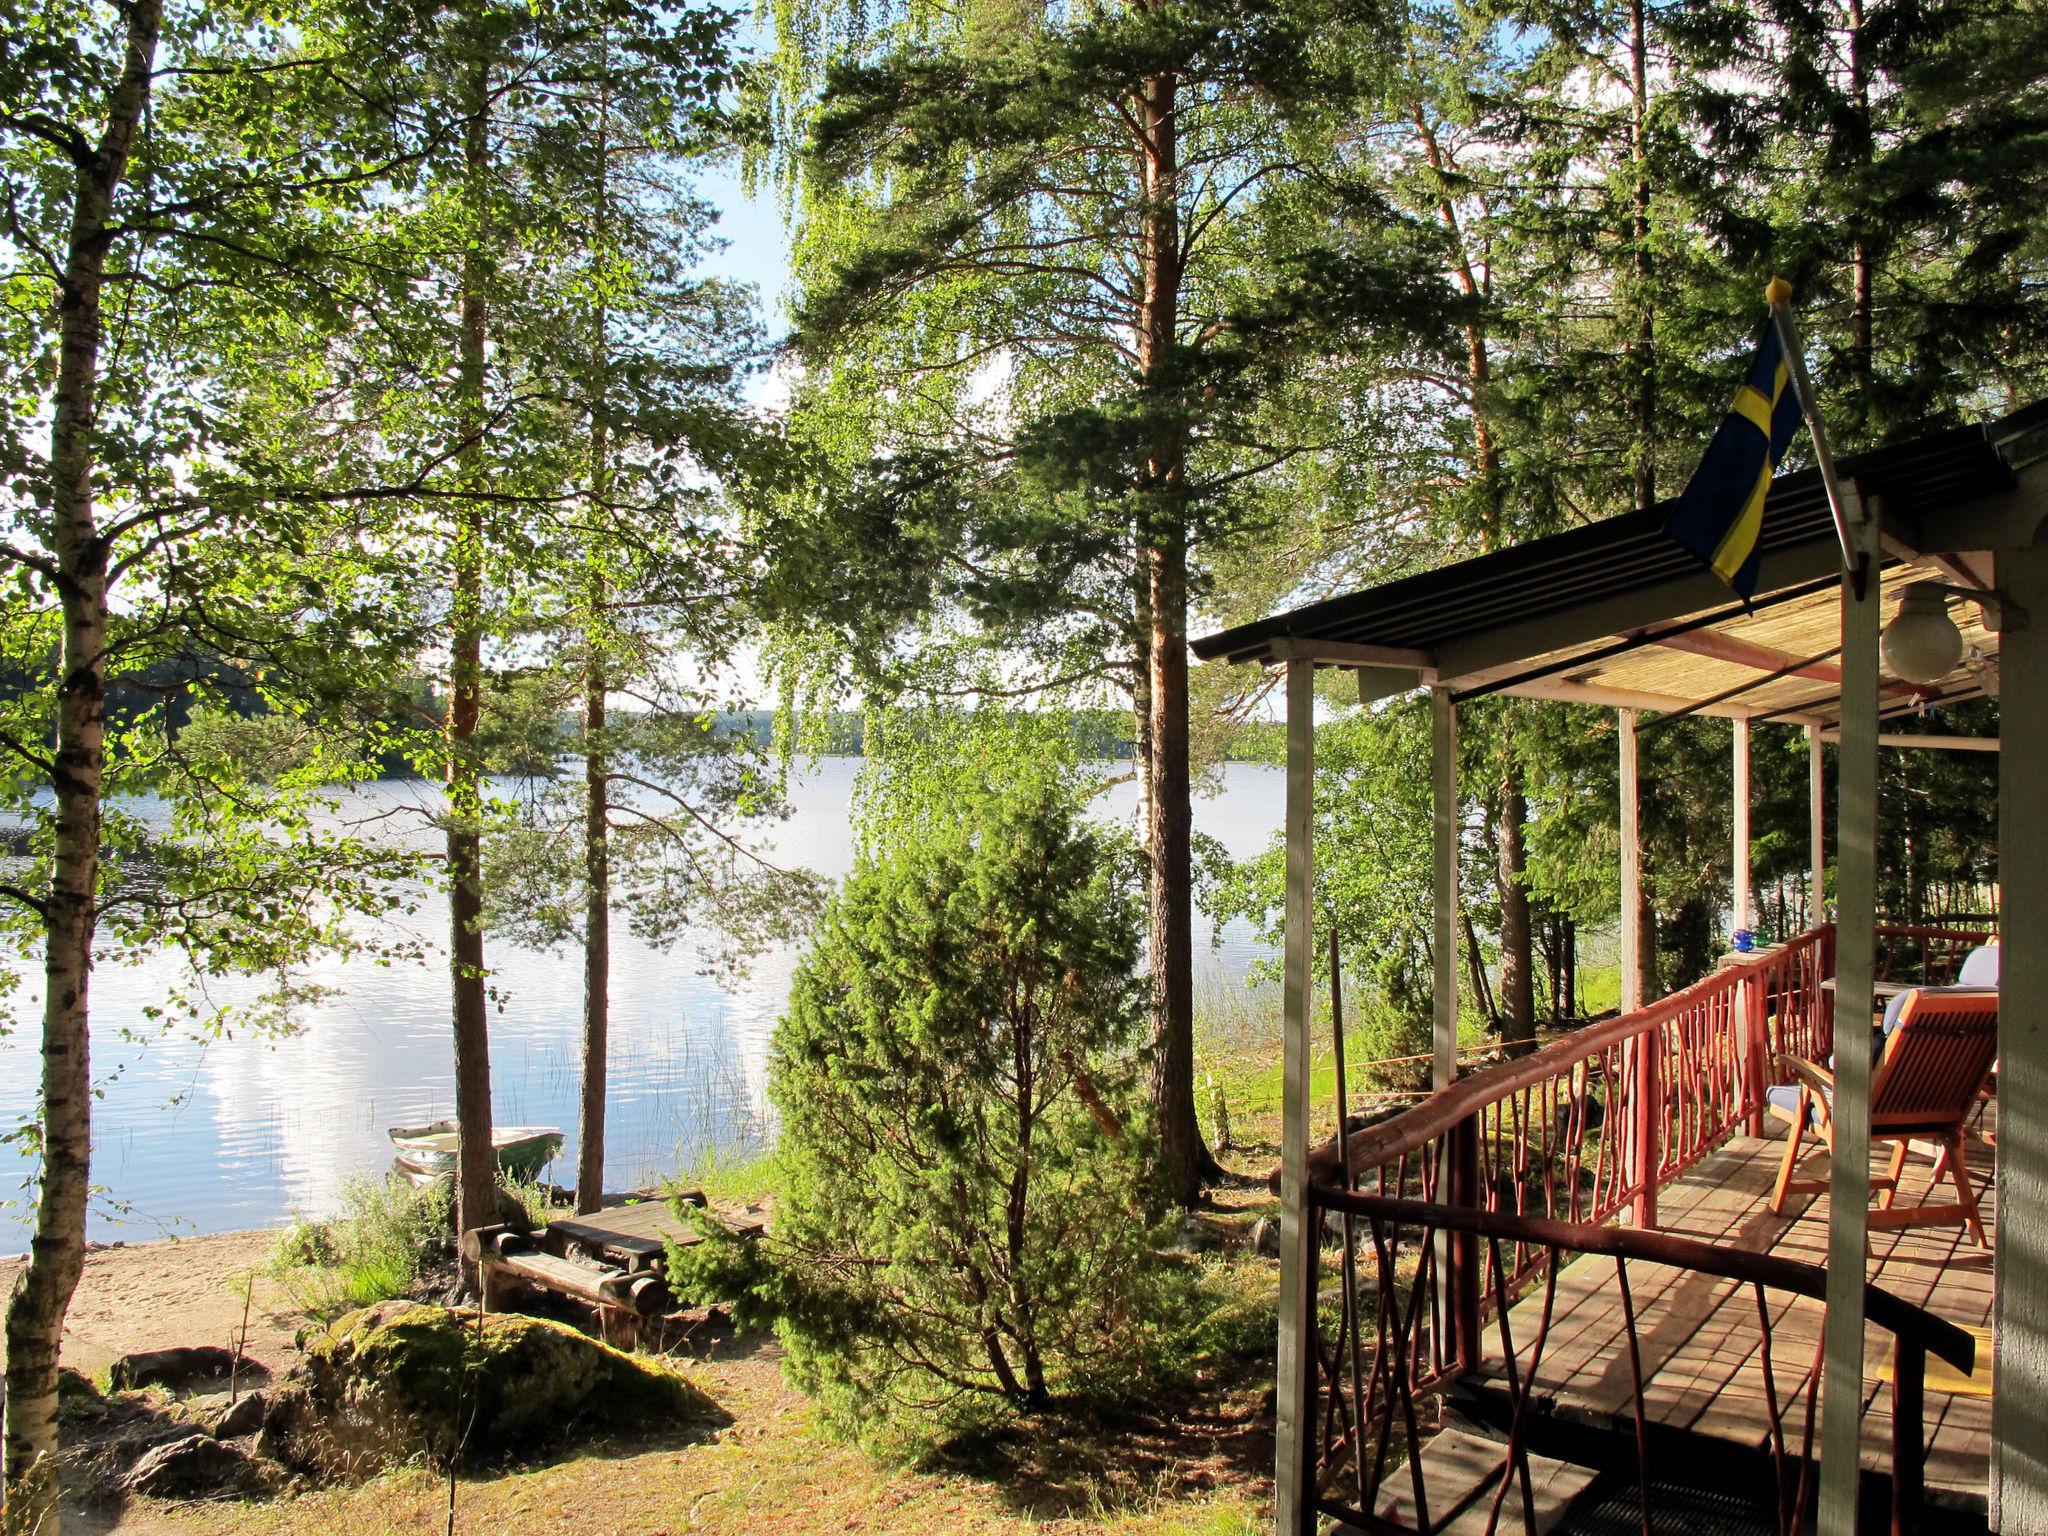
<point>242,1417</point>
<point>400,1381</point>
<point>176,1368</point>
<point>193,1467</point>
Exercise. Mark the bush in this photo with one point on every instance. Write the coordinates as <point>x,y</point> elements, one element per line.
<point>388,1241</point>
<point>960,1214</point>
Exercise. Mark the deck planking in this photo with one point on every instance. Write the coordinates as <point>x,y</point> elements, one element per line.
<point>1700,1339</point>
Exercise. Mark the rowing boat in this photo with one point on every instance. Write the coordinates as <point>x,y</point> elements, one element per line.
<point>428,1152</point>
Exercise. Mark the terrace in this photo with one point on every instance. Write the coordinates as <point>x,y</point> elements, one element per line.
<point>1553,1295</point>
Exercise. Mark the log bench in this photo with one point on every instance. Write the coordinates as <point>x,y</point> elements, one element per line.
<point>612,1260</point>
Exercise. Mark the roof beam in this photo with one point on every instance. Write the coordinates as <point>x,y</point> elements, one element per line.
<point>2009,520</point>
<point>1564,690</point>
<point>1738,652</point>
<point>1914,739</point>
<point>1344,653</point>
<point>1460,661</point>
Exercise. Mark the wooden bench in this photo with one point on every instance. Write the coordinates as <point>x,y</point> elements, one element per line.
<point>613,1260</point>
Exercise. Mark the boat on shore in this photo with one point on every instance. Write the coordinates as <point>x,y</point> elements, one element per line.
<point>427,1153</point>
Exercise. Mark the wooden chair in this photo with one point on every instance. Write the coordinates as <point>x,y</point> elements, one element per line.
<point>1924,1086</point>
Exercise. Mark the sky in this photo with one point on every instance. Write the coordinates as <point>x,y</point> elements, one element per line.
<point>757,245</point>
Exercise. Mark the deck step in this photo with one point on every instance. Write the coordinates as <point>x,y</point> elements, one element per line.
<point>1461,1471</point>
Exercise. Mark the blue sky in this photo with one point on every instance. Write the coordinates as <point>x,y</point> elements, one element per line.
<point>757,246</point>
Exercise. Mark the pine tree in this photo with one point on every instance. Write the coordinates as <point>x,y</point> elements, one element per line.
<point>1066,280</point>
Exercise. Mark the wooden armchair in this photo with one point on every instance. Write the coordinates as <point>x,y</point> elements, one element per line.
<point>1924,1086</point>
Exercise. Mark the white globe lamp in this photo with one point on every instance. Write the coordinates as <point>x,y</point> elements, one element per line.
<point>1922,643</point>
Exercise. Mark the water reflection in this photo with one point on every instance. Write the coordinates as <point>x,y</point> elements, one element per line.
<point>211,1136</point>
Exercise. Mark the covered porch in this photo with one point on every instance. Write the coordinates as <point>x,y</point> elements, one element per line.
<point>1557,1282</point>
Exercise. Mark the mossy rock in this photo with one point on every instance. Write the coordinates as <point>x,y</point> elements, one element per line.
<point>400,1382</point>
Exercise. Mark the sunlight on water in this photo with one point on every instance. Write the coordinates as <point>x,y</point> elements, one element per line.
<point>213,1136</point>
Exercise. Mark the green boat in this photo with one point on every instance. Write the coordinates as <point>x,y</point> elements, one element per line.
<point>428,1152</point>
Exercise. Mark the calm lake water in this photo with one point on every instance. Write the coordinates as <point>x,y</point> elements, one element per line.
<point>209,1136</point>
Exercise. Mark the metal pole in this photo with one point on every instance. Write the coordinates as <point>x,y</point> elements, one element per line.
<point>1779,296</point>
<point>1293,1475</point>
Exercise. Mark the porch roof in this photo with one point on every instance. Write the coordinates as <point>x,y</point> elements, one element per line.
<point>1617,614</point>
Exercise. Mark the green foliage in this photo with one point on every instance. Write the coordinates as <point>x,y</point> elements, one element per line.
<point>1373,872</point>
<point>388,1240</point>
<point>958,1215</point>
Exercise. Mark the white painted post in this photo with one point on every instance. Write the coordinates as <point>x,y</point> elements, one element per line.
<point>1294,1423</point>
<point>1741,851</point>
<point>1446,825</point>
<point>1632,980</point>
<point>1855,964</point>
<point>1817,828</point>
<point>2019,1411</point>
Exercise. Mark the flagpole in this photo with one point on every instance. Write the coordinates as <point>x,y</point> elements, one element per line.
<point>1779,296</point>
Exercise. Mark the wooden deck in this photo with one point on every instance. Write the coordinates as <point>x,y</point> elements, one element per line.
<point>1701,1339</point>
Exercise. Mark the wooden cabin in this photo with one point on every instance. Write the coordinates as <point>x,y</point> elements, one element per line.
<point>1554,1295</point>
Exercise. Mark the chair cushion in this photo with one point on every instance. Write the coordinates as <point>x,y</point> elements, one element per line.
<point>1980,968</point>
<point>1898,1003</point>
<point>1785,1099</point>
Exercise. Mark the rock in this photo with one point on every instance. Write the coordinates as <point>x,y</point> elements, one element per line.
<point>75,1386</point>
<point>193,1467</point>
<point>400,1380</point>
<point>1266,1237</point>
<point>243,1417</point>
<point>176,1368</point>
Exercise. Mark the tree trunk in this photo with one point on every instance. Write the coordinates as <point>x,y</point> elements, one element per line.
<point>597,848</point>
<point>597,925</point>
<point>42,1296</point>
<point>1646,944</point>
<point>1141,678</point>
<point>1568,1007</point>
<point>1517,959</point>
<point>477,1176</point>
<point>1184,1161</point>
<point>1643,356</point>
<point>1862,334</point>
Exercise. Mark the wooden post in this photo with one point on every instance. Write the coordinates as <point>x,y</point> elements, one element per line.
<point>1294,1474</point>
<point>1740,852</point>
<point>1909,1448</point>
<point>1641,1060</point>
<point>2019,1411</point>
<point>1855,964</point>
<point>1631,870</point>
<point>1646,1124</point>
<point>1443,758</point>
<point>1467,1270</point>
<point>1817,828</point>
<point>1757,1021</point>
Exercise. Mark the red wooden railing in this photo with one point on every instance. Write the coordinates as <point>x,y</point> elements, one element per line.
<point>1927,954</point>
<point>1534,1156</point>
<point>1369,1475</point>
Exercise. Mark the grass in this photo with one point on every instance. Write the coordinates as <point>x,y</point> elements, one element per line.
<point>1193,1459</point>
<point>732,1178</point>
<point>389,1240</point>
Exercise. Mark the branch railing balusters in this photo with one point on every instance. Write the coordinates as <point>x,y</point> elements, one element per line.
<point>1500,1160</point>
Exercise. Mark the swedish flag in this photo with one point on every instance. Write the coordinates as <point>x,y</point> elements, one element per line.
<point>1721,514</point>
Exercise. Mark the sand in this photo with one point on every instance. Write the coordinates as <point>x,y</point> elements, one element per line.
<point>162,1295</point>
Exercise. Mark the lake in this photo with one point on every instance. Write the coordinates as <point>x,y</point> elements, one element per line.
<point>195,1136</point>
